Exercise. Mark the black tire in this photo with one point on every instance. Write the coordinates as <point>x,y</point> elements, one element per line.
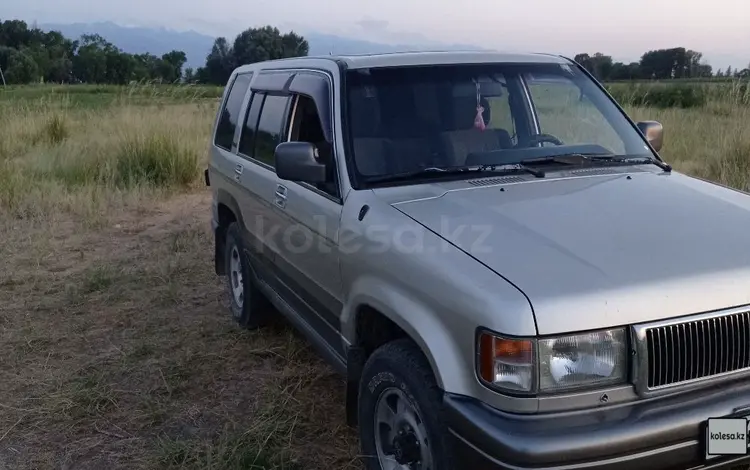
<point>254,310</point>
<point>401,365</point>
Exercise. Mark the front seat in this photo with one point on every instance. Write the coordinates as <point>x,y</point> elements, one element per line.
<point>464,138</point>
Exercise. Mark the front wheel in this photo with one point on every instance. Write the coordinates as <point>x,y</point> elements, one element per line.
<point>400,412</point>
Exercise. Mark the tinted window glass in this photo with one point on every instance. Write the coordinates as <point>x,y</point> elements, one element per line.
<point>307,128</point>
<point>231,112</point>
<point>270,126</point>
<point>248,133</point>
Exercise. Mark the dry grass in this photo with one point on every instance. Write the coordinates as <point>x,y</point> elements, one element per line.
<point>115,343</point>
<point>118,353</point>
<point>117,349</point>
<point>711,142</point>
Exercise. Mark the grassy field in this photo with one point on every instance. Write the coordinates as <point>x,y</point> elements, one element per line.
<point>117,349</point>
<point>710,140</point>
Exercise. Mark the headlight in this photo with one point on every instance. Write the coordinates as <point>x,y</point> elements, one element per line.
<point>584,360</point>
<point>553,364</point>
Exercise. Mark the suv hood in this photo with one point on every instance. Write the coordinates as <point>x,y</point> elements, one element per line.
<point>603,251</point>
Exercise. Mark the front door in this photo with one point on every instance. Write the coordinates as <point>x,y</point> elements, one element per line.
<point>308,256</point>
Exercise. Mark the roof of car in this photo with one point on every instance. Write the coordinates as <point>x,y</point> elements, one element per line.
<point>415,58</point>
<point>396,59</point>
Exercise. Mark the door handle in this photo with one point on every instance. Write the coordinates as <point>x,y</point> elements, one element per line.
<point>280,196</point>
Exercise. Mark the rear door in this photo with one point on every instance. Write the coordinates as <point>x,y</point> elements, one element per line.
<point>226,167</point>
<point>224,145</point>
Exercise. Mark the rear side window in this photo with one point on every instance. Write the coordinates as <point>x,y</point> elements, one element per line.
<point>231,112</point>
<point>248,133</point>
<point>270,127</point>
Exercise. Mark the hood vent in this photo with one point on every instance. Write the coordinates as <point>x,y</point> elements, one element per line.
<point>493,181</point>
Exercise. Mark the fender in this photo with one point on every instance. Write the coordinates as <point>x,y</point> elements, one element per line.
<point>431,335</point>
<point>222,196</point>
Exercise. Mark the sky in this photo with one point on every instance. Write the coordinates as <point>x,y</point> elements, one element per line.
<point>623,29</point>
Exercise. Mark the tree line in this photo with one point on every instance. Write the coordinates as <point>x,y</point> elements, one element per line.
<point>266,43</point>
<point>30,55</point>
<point>660,64</point>
<point>250,46</point>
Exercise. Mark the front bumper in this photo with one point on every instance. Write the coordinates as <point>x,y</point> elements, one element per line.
<point>656,434</point>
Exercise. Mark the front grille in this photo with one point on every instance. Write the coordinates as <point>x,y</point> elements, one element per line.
<point>698,349</point>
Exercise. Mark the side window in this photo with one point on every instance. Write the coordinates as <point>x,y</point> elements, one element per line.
<point>307,127</point>
<point>247,139</point>
<point>231,112</point>
<point>270,127</point>
<point>567,115</point>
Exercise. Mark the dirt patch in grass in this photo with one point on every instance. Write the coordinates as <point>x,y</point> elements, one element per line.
<point>118,352</point>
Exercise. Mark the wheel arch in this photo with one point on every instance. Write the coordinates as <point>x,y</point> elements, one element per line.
<point>226,211</point>
<point>374,318</point>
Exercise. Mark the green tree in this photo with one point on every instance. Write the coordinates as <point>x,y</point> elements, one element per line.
<point>60,53</point>
<point>30,55</point>
<point>90,62</point>
<point>147,67</point>
<point>189,75</point>
<point>250,46</point>
<point>670,63</point>
<point>599,65</point>
<point>121,67</point>
<point>621,71</point>
<point>219,64</point>
<point>170,66</point>
<point>18,67</point>
<point>14,34</point>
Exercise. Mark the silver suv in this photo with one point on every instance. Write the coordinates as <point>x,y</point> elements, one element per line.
<point>493,255</point>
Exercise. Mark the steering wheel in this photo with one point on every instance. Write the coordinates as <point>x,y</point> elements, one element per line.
<point>539,138</point>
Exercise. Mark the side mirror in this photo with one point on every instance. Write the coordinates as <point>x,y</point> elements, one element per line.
<point>654,133</point>
<point>296,161</point>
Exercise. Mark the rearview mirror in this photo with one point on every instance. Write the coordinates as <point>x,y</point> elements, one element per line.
<point>297,161</point>
<point>654,133</point>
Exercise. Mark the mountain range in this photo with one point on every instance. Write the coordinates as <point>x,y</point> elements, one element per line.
<point>158,41</point>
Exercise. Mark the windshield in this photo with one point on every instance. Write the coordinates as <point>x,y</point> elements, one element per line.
<point>403,119</point>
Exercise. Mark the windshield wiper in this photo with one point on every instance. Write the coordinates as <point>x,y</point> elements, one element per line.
<point>597,157</point>
<point>565,158</point>
<point>432,172</point>
<point>634,160</point>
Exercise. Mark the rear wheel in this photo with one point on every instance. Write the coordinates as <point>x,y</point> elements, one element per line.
<point>400,412</point>
<point>249,307</point>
